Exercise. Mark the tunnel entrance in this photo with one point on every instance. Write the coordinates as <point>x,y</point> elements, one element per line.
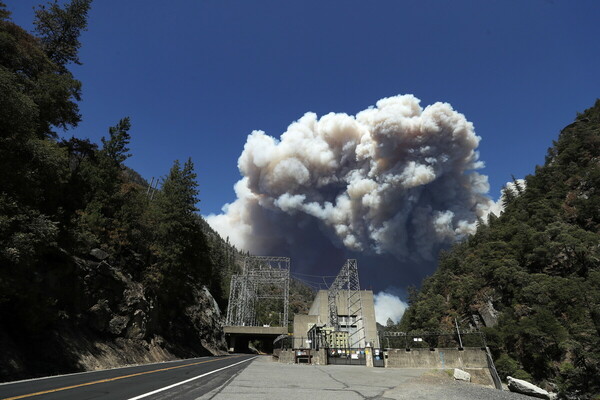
<point>240,339</point>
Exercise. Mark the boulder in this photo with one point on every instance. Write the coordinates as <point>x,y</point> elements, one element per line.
<point>461,375</point>
<point>99,254</point>
<point>529,389</point>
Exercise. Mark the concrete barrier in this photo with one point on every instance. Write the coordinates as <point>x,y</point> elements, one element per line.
<point>319,357</point>
<point>288,356</point>
<point>469,357</point>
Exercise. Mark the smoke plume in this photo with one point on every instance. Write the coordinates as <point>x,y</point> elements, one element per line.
<point>395,179</point>
<point>387,306</point>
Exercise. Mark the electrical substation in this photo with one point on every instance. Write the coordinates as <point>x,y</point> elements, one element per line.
<point>340,326</point>
<point>342,317</point>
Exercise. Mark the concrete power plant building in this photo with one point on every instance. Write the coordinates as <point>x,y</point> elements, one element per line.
<point>356,325</point>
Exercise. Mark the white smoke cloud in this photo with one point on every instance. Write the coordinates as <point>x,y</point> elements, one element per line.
<point>395,178</point>
<point>388,306</point>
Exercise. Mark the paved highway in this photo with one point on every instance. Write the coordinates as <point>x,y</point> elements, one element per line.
<point>185,379</point>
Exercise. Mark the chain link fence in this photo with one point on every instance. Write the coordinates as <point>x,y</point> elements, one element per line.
<point>431,340</point>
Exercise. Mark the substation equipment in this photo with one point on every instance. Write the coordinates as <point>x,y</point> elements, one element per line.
<point>262,278</point>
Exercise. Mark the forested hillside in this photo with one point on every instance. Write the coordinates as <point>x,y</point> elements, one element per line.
<point>532,274</point>
<point>93,263</point>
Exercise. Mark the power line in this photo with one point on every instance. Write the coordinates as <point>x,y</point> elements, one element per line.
<point>312,284</point>
<point>306,279</point>
<point>314,276</point>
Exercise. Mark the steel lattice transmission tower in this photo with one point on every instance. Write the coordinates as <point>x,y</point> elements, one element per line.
<point>346,286</point>
<point>261,278</point>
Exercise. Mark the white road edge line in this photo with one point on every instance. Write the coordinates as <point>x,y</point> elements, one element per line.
<point>100,370</point>
<point>188,380</point>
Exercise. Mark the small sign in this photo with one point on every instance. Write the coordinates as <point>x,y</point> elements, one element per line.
<point>418,339</point>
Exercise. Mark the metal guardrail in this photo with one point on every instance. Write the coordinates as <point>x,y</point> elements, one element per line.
<point>492,367</point>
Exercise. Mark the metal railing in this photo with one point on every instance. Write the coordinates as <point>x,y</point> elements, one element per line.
<point>492,367</point>
<point>420,340</point>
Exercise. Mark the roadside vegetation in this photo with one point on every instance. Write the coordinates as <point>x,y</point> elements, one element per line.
<point>535,269</point>
<point>91,254</point>
<point>63,198</point>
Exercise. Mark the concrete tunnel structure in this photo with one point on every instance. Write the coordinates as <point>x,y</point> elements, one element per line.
<point>238,337</point>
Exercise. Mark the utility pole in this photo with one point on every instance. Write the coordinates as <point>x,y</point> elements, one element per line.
<point>152,188</point>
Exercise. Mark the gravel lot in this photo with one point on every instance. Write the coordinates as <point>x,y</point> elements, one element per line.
<point>265,379</point>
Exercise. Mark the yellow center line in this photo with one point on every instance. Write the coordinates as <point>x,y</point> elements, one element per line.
<point>110,379</point>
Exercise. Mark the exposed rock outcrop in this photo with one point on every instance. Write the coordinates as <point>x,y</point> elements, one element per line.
<point>99,254</point>
<point>112,320</point>
<point>489,314</point>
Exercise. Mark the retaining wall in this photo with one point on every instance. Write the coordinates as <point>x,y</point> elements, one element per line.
<point>288,356</point>
<point>469,357</point>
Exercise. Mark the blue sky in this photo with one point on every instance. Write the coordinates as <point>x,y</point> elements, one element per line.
<point>197,77</point>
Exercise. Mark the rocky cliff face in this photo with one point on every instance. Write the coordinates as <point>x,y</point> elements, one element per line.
<point>112,320</point>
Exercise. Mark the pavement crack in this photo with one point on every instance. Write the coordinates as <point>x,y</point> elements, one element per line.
<point>346,388</point>
<point>335,379</point>
<point>378,396</point>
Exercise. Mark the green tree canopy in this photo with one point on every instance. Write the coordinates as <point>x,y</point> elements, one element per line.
<point>537,265</point>
<point>59,29</point>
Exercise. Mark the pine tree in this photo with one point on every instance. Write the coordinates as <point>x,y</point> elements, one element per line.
<point>115,147</point>
<point>60,28</point>
<point>179,243</point>
<point>4,13</point>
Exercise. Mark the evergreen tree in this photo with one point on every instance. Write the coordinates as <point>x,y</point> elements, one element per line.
<point>60,28</point>
<point>538,264</point>
<point>37,95</point>
<point>179,244</point>
<point>4,13</point>
<point>59,200</point>
<point>115,147</point>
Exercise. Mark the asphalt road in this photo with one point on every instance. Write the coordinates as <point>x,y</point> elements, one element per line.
<point>185,379</point>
